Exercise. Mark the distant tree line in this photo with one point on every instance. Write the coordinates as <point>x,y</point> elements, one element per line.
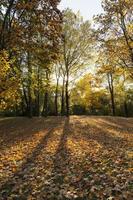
<point>47,60</point>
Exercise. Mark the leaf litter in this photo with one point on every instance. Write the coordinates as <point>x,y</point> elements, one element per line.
<point>62,158</point>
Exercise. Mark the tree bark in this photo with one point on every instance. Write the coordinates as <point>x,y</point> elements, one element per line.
<point>63,99</point>
<point>38,91</point>
<point>56,98</point>
<point>126,109</point>
<point>128,39</point>
<point>25,99</point>
<point>45,105</point>
<point>22,106</point>
<point>67,95</point>
<point>111,90</point>
<point>113,103</point>
<point>6,17</point>
<point>29,86</point>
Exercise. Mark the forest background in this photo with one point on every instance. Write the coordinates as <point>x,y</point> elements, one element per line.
<point>54,62</point>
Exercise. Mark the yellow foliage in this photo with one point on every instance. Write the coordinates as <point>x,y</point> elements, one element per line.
<point>9,82</point>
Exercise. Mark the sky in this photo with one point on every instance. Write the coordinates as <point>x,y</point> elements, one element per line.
<point>87,8</point>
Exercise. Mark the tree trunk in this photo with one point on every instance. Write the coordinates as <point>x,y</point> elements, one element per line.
<point>25,99</point>
<point>22,106</point>
<point>38,91</point>
<point>4,25</point>
<point>125,32</point>
<point>56,98</point>
<point>45,105</point>
<point>16,109</point>
<point>38,104</point>
<point>29,86</point>
<point>67,96</point>
<point>113,103</point>
<point>63,99</point>
<point>111,90</point>
<point>126,108</point>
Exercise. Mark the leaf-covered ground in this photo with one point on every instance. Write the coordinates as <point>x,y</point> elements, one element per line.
<point>87,158</point>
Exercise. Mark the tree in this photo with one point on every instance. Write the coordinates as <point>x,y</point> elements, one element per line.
<point>109,70</point>
<point>116,24</point>
<point>30,31</point>
<point>76,44</point>
<point>92,97</point>
<point>57,75</point>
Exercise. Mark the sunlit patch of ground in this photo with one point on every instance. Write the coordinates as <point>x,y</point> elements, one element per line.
<point>80,157</point>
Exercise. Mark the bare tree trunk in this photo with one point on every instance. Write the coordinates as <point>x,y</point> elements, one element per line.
<point>56,98</point>
<point>111,90</point>
<point>126,108</point>
<point>45,105</point>
<point>38,104</point>
<point>67,95</point>
<point>128,39</point>
<point>22,106</point>
<point>5,25</point>
<point>113,103</point>
<point>38,91</point>
<point>125,95</point>
<point>25,99</point>
<point>67,77</point>
<point>29,86</point>
<point>63,98</point>
<point>24,103</point>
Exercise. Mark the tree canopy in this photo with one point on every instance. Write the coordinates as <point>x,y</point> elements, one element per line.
<point>54,62</point>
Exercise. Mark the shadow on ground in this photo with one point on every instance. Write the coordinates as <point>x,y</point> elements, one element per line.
<point>72,158</point>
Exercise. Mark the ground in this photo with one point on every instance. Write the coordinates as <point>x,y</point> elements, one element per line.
<point>58,158</point>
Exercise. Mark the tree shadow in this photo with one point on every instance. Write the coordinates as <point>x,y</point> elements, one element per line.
<point>61,162</point>
<point>120,123</point>
<point>61,158</point>
<point>62,175</point>
<point>95,130</point>
<point>58,183</point>
<point>15,130</point>
<point>103,165</point>
<point>19,186</point>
